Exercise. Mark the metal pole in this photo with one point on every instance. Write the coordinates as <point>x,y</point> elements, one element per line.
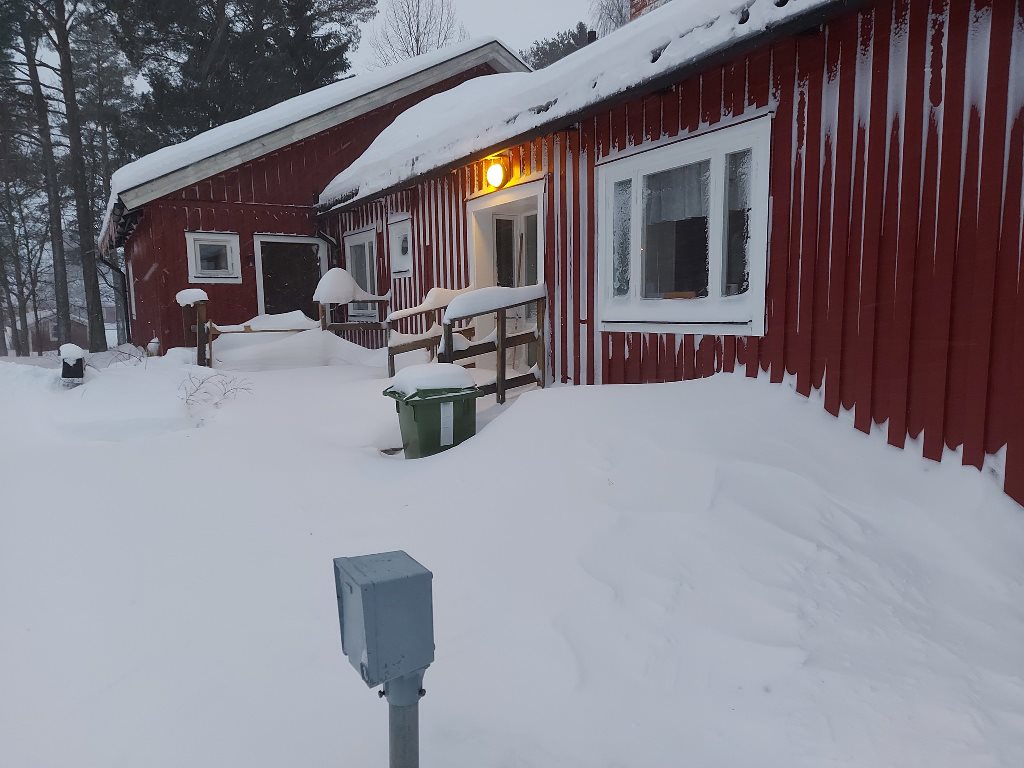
<point>404,736</point>
<point>403,695</point>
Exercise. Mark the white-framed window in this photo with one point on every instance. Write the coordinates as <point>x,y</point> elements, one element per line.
<point>400,245</point>
<point>361,263</point>
<point>213,257</point>
<point>683,234</point>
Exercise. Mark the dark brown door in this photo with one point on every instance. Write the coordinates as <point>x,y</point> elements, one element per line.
<point>291,271</point>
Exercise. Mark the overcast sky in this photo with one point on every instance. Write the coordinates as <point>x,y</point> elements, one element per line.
<point>518,22</point>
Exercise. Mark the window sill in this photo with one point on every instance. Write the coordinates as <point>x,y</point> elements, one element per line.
<point>226,279</point>
<point>700,328</point>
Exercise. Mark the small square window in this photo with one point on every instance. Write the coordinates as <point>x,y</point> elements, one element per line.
<point>213,257</point>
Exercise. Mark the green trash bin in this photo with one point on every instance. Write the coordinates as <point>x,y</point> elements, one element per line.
<point>434,420</point>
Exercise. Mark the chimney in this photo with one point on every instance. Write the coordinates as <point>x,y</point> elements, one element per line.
<point>591,36</point>
<point>640,7</point>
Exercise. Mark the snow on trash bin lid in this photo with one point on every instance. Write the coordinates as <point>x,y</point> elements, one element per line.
<point>416,378</point>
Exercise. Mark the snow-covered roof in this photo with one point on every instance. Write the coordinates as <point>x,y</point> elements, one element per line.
<point>482,115</point>
<point>236,142</point>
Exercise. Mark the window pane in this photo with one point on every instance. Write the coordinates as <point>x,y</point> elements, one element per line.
<point>736,275</point>
<point>213,257</point>
<point>504,252</point>
<point>530,248</point>
<point>360,259</point>
<point>622,214</point>
<point>674,240</point>
<point>357,264</point>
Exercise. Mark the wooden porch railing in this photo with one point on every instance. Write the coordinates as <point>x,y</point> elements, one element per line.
<point>499,345</point>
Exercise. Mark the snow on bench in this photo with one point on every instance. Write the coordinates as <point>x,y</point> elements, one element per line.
<point>286,321</point>
<point>484,300</point>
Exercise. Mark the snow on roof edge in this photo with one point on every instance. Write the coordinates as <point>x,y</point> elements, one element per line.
<point>177,156</point>
<point>666,36</point>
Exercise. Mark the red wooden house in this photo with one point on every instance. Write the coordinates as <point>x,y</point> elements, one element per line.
<point>232,209</point>
<point>824,191</point>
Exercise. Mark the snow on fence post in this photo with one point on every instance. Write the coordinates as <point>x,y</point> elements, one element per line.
<point>193,320</point>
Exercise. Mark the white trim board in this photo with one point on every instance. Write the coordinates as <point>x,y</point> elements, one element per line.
<point>493,53</point>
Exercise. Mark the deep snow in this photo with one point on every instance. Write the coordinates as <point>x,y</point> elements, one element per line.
<point>713,573</point>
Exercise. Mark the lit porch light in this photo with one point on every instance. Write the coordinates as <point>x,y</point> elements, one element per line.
<point>498,171</point>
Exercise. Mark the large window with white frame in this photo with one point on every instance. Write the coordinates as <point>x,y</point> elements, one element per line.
<point>683,234</point>
<point>213,257</point>
<point>360,260</point>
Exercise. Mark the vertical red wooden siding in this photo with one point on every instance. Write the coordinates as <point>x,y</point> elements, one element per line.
<point>275,193</point>
<point>896,232</point>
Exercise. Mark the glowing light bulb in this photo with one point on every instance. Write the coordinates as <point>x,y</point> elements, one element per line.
<point>496,174</point>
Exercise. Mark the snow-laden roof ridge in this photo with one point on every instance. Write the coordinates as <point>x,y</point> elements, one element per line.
<point>474,117</point>
<point>247,129</point>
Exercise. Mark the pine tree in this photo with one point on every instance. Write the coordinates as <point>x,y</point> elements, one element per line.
<point>207,64</point>
<point>548,50</point>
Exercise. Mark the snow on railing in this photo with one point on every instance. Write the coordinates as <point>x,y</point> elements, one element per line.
<point>436,298</point>
<point>485,300</point>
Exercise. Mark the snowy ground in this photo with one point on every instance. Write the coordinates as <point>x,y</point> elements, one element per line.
<point>710,574</point>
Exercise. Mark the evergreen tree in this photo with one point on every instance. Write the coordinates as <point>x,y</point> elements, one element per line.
<point>548,50</point>
<point>208,63</point>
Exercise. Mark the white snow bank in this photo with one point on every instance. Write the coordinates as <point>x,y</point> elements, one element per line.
<point>716,570</point>
<point>431,376</point>
<point>436,298</point>
<point>296,320</point>
<point>190,296</point>
<point>490,299</point>
<point>300,350</point>
<point>337,286</point>
<point>489,112</point>
<point>70,352</point>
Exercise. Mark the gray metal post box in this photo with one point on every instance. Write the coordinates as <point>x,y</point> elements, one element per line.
<point>386,612</point>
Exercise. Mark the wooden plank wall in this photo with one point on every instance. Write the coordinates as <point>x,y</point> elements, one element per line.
<point>896,235</point>
<point>275,193</point>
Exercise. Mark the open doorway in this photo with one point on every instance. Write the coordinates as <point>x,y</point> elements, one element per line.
<point>288,269</point>
<point>506,249</point>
